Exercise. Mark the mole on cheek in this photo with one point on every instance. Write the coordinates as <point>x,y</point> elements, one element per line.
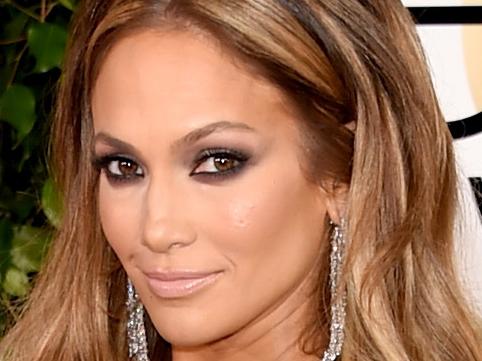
<point>241,215</point>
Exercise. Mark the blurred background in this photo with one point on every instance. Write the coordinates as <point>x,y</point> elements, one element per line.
<point>32,40</point>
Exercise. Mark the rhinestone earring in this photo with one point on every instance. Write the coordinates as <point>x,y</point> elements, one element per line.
<point>136,332</point>
<point>338,297</point>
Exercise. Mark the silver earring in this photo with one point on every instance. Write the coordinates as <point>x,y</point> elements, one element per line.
<point>338,297</point>
<point>136,332</point>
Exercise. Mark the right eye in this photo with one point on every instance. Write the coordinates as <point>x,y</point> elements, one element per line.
<point>120,169</point>
<point>124,167</point>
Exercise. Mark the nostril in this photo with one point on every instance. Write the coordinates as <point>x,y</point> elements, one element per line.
<point>175,245</point>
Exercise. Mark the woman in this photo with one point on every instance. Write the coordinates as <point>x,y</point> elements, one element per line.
<point>268,180</point>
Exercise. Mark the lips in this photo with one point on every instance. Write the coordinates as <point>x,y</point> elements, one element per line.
<point>178,284</point>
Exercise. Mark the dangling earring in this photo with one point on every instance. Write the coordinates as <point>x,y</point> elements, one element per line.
<point>338,297</point>
<point>136,332</point>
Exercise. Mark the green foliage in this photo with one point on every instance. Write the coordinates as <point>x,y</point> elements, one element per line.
<point>17,106</point>
<point>51,203</point>
<point>47,43</point>
<point>32,40</point>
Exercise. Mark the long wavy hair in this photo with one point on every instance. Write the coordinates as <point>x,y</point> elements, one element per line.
<point>338,62</point>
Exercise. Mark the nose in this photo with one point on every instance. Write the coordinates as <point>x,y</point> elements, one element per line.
<point>166,226</point>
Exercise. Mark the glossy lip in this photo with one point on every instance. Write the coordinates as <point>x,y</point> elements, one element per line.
<point>178,284</point>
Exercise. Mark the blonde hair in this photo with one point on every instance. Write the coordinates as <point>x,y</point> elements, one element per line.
<point>338,61</point>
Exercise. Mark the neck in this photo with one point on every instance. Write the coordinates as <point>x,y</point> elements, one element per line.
<point>273,336</point>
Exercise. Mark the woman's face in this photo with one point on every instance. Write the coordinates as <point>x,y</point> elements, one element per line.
<point>201,194</point>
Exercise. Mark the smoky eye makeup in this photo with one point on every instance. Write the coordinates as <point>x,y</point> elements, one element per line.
<point>219,163</point>
<point>118,168</point>
<point>207,164</point>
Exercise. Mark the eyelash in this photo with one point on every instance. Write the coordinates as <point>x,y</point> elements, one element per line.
<point>222,153</point>
<point>102,163</point>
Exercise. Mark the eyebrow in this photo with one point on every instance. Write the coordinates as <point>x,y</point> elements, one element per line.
<point>197,134</point>
<point>190,138</point>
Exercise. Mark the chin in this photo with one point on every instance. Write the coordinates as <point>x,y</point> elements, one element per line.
<point>188,331</point>
<point>188,338</point>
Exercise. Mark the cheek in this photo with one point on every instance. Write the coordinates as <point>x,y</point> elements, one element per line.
<point>274,220</point>
<point>120,210</point>
<point>268,227</point>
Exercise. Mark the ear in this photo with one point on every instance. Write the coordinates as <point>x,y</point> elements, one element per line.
<point>336,198</point>
<point>336,202</point>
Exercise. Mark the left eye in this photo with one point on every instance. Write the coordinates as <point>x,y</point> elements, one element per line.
<point>217,164</point>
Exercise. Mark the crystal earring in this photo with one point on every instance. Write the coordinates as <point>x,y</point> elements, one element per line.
<point>338,297</point>
<point>136,332</point>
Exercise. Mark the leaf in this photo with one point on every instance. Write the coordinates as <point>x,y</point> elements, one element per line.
<point>6,69</point>
<point>47,44</point>
<point>17,107</point>
<point>28,248</point>
<point>16,283</point>
<point>69,4</point>
<point>51,203</point>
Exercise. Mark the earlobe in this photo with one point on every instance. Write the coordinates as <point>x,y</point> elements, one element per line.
<point>336,203</point>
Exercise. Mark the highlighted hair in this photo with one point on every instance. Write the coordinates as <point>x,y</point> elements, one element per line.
<point>339,62</point>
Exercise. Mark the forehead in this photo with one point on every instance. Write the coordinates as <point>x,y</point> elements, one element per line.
<point>177,73</point>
